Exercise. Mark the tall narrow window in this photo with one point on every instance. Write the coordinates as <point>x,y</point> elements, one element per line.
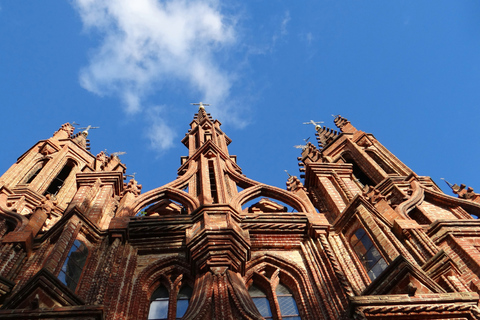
<point>197,140</point>
<point>59,180</point>
<point>33,173</point>
<point>73,266</point>
<point>380,162</point>
<point>368,254</point>
<point>359,175</point>
<point>198,183</point>
<point>286,302</point>
<point>261,302</point>
<point>288,306</point>
<point>159,304</point>
<point>213,184</point>
<point>183,299</point>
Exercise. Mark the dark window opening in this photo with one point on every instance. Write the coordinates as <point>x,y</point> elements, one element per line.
<point>34,175</point>
<point>34,172</point>
<point>197,142</point>
<point>368,254</point>
<point>198,183</point>
<point>73,266</point>
<point>358,174</point>
<point>380,162</point>
<point>213,184</point>
<point>59,180</point>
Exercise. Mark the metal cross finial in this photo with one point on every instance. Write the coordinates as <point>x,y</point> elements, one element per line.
<point>200,105</point>
<point>315,123</point>
<point>300,146</point>
<point>85,130</point>
<point>118,153</point>
<point>115,154</point>
<point>131,175</point>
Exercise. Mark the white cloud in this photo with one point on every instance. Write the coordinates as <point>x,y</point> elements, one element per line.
<point>280,34</point>
<point>285,21</point>
<point>146,43</point>
<point>161,136</point>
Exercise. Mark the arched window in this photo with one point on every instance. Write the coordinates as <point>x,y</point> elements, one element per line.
<point>286,302</point>
<point>73,266</point>
<point>160,303</point>
<point>380,162</point>
<point>368,254</point>
<point>359,175</point>
<point>261,302</point>
<point>59,180</point>
<point>33,173</point>
<point>183,298</point>
<point>288,306</point>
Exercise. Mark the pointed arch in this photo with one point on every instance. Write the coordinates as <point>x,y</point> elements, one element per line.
<point>157,274</point>
<point>270,192</point>
<point>34,171</point>
<point>155,195</point>
<point>15,220</point>
<point>290,275</point>
<point>57,183</point>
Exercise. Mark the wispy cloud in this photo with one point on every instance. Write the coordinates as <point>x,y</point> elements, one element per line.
<point>277,30</point>
<point>158,132</point>
<point>285,21</point>
<point>146,43</point>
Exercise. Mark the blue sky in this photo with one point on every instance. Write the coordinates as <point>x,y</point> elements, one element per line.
<point>408,72</point>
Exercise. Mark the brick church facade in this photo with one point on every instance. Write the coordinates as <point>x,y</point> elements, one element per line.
<point>362,237</point>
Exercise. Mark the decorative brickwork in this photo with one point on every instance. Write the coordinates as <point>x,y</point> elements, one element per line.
<point>361,237</point>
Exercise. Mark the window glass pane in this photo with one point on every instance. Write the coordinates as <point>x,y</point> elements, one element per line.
<point>367,243</point>
<point>183,299</point>
<point>368,254</point>
<point>61,276</point>
<point>255,291</point>
<point>288,307</point>
<point>281,289</point>
<point>73,265</point>
<point>359,234</point>
<point>161,292</point>
<point>263,306</point>
<point>185,293</point>
<point>377,269</point>
<point>182,306</point>
<point>158,309</point>
<point>372,257</point>
<point>261,302</point>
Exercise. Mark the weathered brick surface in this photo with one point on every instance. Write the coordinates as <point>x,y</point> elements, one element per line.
<point>194,233</point>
